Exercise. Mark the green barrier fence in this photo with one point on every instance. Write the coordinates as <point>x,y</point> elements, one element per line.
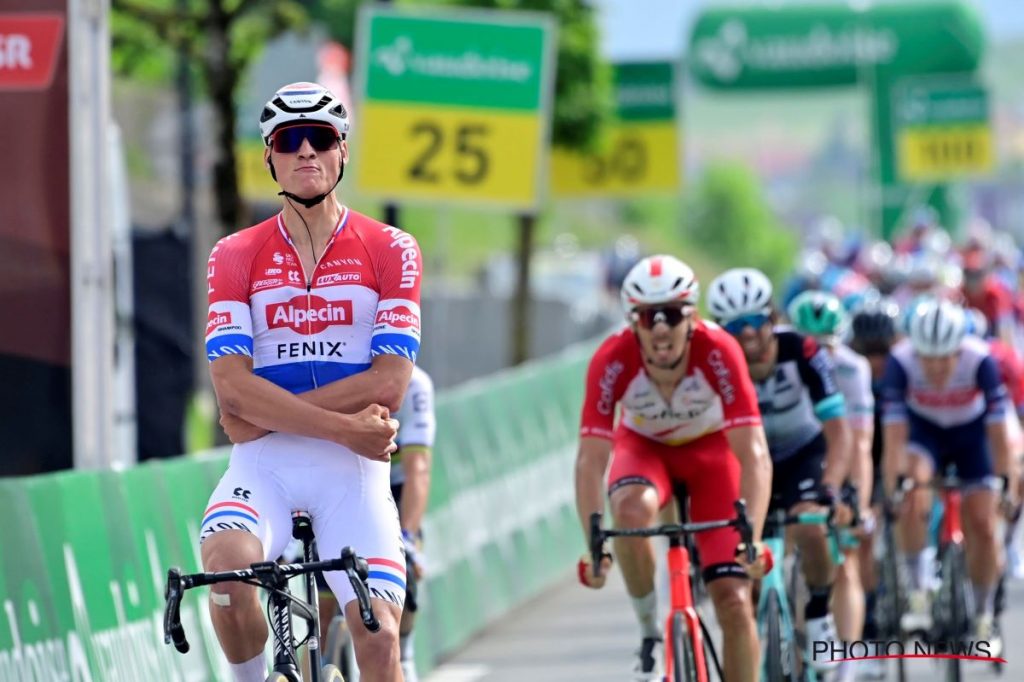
<point>84,555</point>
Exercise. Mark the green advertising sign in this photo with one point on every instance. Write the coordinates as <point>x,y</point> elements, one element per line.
<point>942,129</point>
<point>455,106</point>
<point>825,45</point>
<point>639,152</point>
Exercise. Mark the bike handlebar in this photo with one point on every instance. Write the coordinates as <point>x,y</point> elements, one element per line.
<point>740,522</point>
<point>354,566</point>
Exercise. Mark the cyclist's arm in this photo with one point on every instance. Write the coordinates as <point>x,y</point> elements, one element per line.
<point>262,403</point>
<point>997,403</point>
<point>750,446</point>
<point>416,489</point>
<point>839,447</point>
<point>384,383</point>
<point>591,464</point>
<point>861,467</point>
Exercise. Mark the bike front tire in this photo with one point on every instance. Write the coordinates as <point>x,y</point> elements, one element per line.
<point>684,663</point>
<point>281,677</point>
<point>775,655</point>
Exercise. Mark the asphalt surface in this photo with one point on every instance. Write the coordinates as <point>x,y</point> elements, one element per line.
<point>571,633</point>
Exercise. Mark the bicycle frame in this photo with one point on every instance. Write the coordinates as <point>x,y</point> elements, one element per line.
<point>679,574</point>
<point>775,581</point>
<point>681,601</point>
<point>273,577</point>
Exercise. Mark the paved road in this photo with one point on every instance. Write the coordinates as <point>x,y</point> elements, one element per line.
<point>570,633</point>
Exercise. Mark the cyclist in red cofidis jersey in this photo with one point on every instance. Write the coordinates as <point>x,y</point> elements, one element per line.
<point>314,326</point>
<point>687,413</point>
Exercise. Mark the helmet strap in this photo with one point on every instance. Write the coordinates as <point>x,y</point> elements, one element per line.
<point>312,201</point>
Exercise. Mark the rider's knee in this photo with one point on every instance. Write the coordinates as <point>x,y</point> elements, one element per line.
<point>733,605</point>
<point>379,650</point>
<point>230,553</point>
<point>634,506</point>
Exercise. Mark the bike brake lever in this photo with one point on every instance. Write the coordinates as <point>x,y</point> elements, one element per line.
<point>173,630</point>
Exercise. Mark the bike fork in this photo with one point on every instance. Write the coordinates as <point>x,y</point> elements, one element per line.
<point>681,598</point>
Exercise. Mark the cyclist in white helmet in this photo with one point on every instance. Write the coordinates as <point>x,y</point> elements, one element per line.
<point>688,415</point>
<point>313,331</point>
<point>804,415</point>
<point>944,403</point>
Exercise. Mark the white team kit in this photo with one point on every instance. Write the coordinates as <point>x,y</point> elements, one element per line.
<point>416,421</point>
<point>362,300</point>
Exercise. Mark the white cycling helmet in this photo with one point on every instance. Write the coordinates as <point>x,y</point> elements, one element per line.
<point>303,103</point>
<point>739,292</point>
<point>659,279</point>
<point>936,327</point>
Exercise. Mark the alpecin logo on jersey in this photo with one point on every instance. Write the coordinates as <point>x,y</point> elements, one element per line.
<point>400,317</point>
<point>313,318</point>
<point>216,320</point>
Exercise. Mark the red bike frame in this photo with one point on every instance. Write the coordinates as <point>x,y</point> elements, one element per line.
<point>951,532</point>
<point>681,598</point>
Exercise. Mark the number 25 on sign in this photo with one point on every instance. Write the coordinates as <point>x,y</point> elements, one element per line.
<point>428,151</point>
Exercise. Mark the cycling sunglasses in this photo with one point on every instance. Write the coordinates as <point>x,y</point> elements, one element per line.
<point>737,325</point>
<point>321,138</point>
<point>672,315</point>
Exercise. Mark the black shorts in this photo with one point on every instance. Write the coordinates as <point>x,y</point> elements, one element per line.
<point>798,478</point>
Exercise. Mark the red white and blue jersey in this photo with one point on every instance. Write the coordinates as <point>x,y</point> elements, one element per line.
<point>303,331</point>
<point>974,391</point>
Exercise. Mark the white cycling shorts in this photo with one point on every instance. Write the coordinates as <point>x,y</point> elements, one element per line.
<point>347,496</point>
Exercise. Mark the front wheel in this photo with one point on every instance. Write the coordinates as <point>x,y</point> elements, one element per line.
<point>279,677</point>
<point>330,673</point>
<point>778,658</point>
<point>684,665</point>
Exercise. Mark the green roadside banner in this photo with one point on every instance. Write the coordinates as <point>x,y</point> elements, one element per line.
<point>86,554</point>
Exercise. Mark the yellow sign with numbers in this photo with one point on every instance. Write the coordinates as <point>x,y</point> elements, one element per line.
<point>441,153</point>
<point>939,152</point>
<point>454,105</point>
<point>634,158</point>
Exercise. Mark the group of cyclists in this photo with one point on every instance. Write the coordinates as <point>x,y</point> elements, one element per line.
<point>878,364</point>
<point>878,369</point>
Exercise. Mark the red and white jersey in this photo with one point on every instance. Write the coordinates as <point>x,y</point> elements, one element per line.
<point>303,331</point>
<point>715,394</point>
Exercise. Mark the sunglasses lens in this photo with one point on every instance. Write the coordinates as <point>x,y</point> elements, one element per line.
<point>652,316</point>
<point>288,140</point>
<point>740,323</point>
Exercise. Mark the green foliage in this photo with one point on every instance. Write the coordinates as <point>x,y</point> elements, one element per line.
<point>147,35</point>
<point>728,217</point>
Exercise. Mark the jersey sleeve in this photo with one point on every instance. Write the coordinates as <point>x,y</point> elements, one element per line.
<point>894,392</point>
<point>860,406</point>
<point>229,324</point>
<point>396,329</point>
<point>416,418</point>
<point>605,384</point>
<point>730,377</point>
<point>993,389</point>
<point>818,373</point>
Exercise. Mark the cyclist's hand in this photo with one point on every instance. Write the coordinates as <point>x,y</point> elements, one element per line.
<point>867,524</point>
<point>238,430</point>
<point>763,562</point>
<point>842,514</point>
<point>585,571</point>
<point>371,433</point>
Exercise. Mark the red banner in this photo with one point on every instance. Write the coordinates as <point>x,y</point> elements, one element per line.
<point>29,45</point>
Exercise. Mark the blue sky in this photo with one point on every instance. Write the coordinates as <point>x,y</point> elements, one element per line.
<point>654,29</point>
